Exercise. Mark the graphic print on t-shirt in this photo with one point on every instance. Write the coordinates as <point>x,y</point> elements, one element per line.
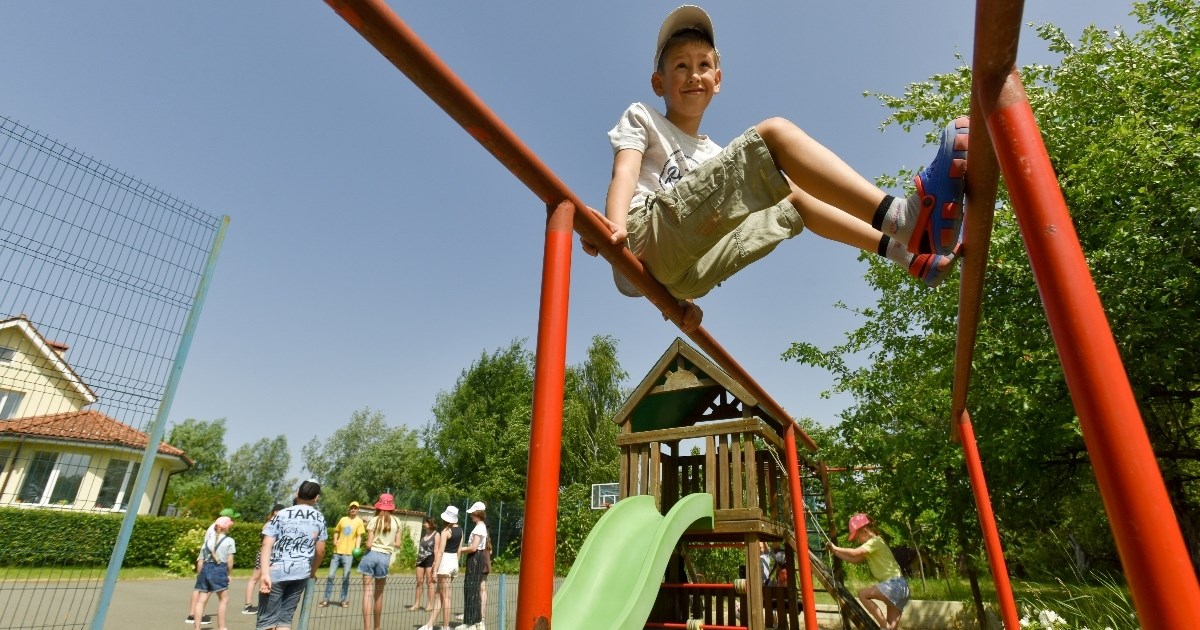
<point>677,165</point>
<point>296,531</point>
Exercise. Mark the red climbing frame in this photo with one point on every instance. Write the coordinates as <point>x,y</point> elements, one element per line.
<point>1156,563</point>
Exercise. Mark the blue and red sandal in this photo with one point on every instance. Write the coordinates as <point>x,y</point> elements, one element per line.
<point>925,267</point>
<point>940,192</point>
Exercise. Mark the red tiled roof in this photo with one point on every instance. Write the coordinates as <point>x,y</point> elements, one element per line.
<point>84,426</point>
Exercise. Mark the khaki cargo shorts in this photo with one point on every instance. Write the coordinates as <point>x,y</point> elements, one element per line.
<point>717,219</point>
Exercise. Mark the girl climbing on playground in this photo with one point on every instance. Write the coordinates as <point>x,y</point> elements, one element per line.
<point>892,588</point>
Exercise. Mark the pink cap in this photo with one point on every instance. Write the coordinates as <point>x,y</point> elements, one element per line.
<point>224,522</point>
<point>857,522</point>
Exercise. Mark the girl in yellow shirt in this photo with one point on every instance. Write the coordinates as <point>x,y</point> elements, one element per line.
<point>892,589</point>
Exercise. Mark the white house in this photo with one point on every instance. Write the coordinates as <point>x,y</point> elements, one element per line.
<point>55,453</point>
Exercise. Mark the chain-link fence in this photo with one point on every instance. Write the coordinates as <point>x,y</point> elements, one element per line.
<point>100,275</point>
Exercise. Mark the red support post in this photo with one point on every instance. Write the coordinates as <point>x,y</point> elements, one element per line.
<point>987,521</point>
<point>804,567</point>
<point>1156,560</point>
<point>535,598</point>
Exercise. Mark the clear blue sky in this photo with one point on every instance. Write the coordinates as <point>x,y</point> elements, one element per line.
<point>376,250</point>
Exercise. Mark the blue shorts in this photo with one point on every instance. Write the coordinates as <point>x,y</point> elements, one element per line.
<point>375,564</point>
<point>213,578</point>
<point>896,590</point>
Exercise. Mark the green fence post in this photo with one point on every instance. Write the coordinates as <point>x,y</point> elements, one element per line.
<point>156,433</point>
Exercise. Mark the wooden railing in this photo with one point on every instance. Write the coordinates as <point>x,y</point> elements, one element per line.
<point>735,466</point>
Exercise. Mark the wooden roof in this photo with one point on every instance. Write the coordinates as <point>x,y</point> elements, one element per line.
<point>685,387</point>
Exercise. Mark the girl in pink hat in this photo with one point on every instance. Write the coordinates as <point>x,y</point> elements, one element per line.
<point>383,532</point>
<point>892,589</point>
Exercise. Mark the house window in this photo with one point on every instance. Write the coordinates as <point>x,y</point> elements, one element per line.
<point>9,401</point>
<point>53,478</point>
<point>7,354</point>
<point>118,483</point>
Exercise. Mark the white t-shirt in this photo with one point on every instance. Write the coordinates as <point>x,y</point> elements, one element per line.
<point>218,548</point>
<point>479,530</point>
<point>296,531</point>
<point>667,155</point>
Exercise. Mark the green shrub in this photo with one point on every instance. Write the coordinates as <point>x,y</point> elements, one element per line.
<point>181,560</point>
<point>25,538</point>
<point>406,553</point>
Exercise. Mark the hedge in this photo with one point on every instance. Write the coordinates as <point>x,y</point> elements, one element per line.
<point>40,537</point>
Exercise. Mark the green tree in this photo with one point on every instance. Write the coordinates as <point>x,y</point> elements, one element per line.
<point>199,490</point>
<point>257,476</point>
<point>1118,116</point>
<point>593,395</point>
<point>479,434</point>
<point>363,458</point>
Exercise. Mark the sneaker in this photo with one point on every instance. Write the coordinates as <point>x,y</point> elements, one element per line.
<point>206,620</point>
<point>249,610</point>
<point>940,194</point>
<point>925,267</point>
<point>425,627</point>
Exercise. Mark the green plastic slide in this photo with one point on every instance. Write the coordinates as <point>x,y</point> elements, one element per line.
<point>615,579</point>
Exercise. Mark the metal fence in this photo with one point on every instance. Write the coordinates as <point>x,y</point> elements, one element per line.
<point>101,276</point>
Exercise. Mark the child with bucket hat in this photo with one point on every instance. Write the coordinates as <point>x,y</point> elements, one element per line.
<point>445,558</point>
<point>892,589</point>
<point>383,534</point>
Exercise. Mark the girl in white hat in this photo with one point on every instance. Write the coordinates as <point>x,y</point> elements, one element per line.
<point>445,558</point>
<point>478,566</point>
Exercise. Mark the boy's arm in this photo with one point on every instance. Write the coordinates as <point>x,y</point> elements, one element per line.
<point>264,560</point>
<point>626,166</point>
<point>318,558</point>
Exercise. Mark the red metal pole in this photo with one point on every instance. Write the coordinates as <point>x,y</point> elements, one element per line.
<point>987,521</point>
<point>1156,561</point>
<point>798,523</point>
<point>536,595</point>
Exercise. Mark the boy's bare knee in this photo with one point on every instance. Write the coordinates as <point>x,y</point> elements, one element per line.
<point>777,129</point>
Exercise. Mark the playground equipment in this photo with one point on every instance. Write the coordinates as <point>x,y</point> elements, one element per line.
<point>1157,566</point>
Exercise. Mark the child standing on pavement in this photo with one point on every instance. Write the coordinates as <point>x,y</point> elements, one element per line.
<point>695,213</point>
<point>212,572</point>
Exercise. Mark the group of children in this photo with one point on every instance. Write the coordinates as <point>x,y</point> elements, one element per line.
<point>294,545</point>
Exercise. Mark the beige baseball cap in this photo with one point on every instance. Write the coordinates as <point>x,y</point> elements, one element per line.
<point>685,17</point>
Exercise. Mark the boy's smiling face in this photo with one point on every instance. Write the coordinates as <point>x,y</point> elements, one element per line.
<point>687,82</point>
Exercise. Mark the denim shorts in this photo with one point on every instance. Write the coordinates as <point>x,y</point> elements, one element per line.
<point>213,578</point>
<point>375,564</point>
<point>896,590</point>
<point>277,609</point>
<point>729,212</point>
